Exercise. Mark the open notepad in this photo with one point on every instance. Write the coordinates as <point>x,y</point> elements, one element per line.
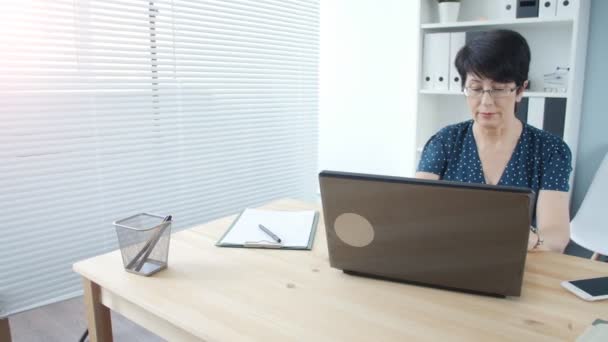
<point>296,229</point>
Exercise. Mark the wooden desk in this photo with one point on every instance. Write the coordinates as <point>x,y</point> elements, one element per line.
<point>236,294</point>
<point>5,330</point>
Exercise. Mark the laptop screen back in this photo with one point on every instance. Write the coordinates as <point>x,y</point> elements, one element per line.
<point>446,234</point>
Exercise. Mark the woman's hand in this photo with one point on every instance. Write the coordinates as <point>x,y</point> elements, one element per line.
<point>427,175</point>
<point>532,241</point>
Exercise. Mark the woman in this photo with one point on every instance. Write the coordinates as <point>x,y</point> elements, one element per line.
<point>497,148</point>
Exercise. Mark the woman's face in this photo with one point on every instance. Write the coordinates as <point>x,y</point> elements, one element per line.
<point>495,110</point>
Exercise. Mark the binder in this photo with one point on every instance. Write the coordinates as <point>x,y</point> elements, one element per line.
<point>295,229</point>
<point>471,35</point>
<point>440,56</point>
<point>536,111</point>
<point>547,9</point>
<point>522,110</point>
<point>527,8</point>
<point>567,8</point>
<point>554,118</point>
<point>436,61</point>
<point>427,76</point>
<point>457,41</point>
<point>508,9</point>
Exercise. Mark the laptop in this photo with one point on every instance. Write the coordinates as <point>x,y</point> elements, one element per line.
<point>451,235</point>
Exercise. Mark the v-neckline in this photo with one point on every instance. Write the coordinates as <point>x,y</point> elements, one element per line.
<point>514,152</point>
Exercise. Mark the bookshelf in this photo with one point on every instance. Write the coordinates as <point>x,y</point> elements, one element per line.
<point>526,94</point>
<point>498,23</point>
<point>554,41</point>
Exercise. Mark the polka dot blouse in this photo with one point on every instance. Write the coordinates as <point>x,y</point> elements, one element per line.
<point>540,160</point>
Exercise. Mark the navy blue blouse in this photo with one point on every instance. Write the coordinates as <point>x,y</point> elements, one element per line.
<point>540,160</point>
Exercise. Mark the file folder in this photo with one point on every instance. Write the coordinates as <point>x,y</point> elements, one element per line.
<point>457,41</point>
<point>508,9</point>
<point>567,8</point>
<point>427,76</point>
<point>554,118</point>
<point>440,60</point>
<point>527,8</point>
<point>547,9</point>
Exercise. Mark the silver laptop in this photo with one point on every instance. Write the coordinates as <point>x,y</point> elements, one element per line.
<point>460,236</point>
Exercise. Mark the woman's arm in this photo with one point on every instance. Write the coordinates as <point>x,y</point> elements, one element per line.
<point>553,220</point>
<point>427,175</point>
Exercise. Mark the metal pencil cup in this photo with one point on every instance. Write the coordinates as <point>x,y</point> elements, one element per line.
<point>144,243</point>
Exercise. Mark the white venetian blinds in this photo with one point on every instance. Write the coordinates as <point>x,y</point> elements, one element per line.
<point>113,107</point>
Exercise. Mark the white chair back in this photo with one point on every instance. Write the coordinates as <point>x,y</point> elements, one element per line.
<point>589,228</point>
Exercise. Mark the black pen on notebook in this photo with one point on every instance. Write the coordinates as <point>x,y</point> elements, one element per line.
<point>271,234</point>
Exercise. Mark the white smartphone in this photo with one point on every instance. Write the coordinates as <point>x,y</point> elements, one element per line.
<point>588,289</point>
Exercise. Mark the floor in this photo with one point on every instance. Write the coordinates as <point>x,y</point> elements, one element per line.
<point>65,321</point>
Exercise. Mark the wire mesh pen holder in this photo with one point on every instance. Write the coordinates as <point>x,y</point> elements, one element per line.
<point>144,242</point>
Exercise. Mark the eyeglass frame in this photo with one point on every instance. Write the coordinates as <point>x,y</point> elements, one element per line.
<point>490,92</point>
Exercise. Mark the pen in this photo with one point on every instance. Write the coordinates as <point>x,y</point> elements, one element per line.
<point>271,234</point>
<point>149,245</point>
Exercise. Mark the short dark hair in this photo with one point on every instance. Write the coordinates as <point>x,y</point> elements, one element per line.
<point>500,55</point>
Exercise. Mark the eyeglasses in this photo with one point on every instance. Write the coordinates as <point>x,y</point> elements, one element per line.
<point>476,92</point>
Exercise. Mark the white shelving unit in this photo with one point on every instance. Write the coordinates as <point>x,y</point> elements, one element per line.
<point>526,94</point>
<point>554,41</point>
<point>502,23</point>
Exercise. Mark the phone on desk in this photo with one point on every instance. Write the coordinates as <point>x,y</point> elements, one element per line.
<point>588,289</point>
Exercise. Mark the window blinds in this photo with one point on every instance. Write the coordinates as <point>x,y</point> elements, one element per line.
<point>113,107</point>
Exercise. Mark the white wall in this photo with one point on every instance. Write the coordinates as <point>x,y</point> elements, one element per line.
<point>368,76</point>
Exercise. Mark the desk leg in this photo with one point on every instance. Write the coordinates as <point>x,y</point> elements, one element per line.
<point>98,316</point>
<point>5,330</point>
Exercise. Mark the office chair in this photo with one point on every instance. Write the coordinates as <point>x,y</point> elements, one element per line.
<point>589,227</point>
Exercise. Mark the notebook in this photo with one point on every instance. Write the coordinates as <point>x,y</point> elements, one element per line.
<point>296,229</point>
